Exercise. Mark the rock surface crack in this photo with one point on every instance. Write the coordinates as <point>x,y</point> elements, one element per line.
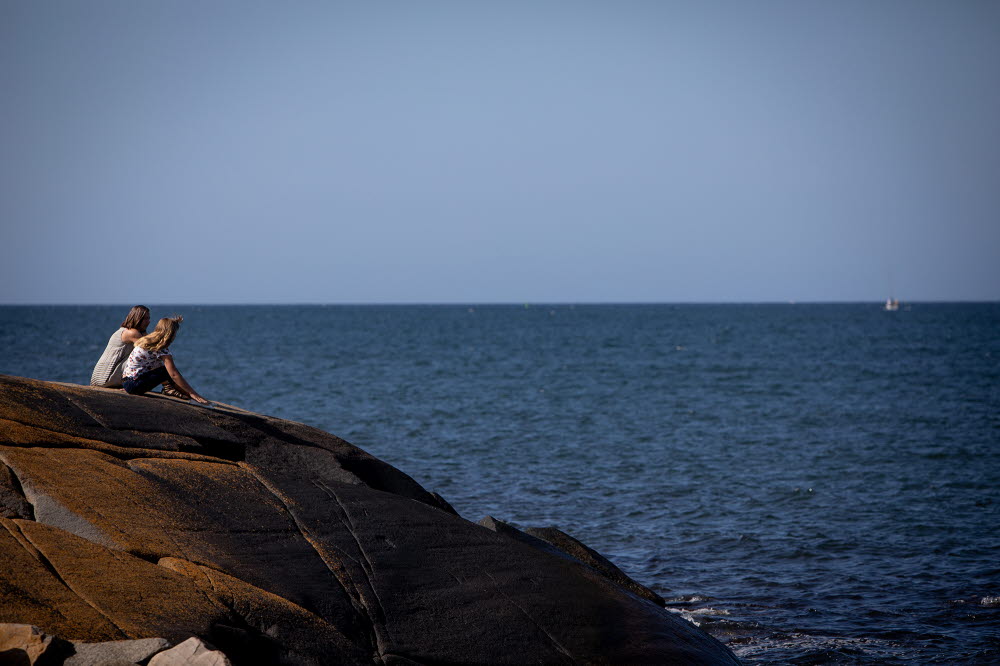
<point>121,452</point>
<point>18,489</point>
<point>357,597</point>
<point>376,615</point>
<point>51,568</point>
<point>555,642</point>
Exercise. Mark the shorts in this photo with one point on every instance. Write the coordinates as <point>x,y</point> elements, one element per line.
<point>144,382</point>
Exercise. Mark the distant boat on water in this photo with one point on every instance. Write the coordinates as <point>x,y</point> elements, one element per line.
<point>891,304</point>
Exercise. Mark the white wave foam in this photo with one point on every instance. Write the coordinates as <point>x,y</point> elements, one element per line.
<point>692,614</point>
<point>685,614</point>
<point>709,611</point>
<point>801,643</point>
<point>687,599</point>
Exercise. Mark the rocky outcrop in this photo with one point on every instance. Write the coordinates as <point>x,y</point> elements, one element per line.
<point>126,517</point>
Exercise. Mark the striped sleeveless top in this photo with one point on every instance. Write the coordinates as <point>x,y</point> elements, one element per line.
<point>108,371</point>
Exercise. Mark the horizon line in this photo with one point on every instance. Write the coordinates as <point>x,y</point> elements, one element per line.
<point>500,303</point>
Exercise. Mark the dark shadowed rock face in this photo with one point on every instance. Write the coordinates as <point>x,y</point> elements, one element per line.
<point>126,517</point>
<point>557,542</point>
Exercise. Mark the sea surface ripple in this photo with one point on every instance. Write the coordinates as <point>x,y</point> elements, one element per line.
<point>813,484</point>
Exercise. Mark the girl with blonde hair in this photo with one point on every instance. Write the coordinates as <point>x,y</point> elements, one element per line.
<point>108,371</point>
<point>151,363</point>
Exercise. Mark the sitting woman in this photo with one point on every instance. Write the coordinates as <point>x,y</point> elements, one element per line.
<point>151,364</point>
<point>108,371</point>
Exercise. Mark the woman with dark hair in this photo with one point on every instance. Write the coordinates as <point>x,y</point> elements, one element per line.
<point>151,364</point>
<point>108,371</point>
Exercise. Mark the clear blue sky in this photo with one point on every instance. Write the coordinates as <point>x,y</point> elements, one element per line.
<point>514,151</point>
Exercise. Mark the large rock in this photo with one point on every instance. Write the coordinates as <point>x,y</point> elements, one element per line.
<point>192,652</point>
<point>113,653</point>
<point>126,517</point>
<point>27,645</point>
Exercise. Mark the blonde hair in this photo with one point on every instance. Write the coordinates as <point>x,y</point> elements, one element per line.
<point>162,335</point>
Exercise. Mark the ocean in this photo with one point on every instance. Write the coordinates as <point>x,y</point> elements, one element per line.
<point>810,483</point>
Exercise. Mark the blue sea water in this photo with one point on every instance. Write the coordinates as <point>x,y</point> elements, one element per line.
<point>812,484</point>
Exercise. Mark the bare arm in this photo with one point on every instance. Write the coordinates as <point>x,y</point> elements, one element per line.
<point>175,375</point>
<point>130,335</point>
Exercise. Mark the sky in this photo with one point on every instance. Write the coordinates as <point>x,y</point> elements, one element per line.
<point>515,151</point>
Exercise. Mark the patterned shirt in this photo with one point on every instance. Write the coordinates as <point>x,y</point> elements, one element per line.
<point>143,360</point>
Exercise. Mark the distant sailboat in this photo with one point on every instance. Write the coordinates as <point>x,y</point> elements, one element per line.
<point>891,304</point>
